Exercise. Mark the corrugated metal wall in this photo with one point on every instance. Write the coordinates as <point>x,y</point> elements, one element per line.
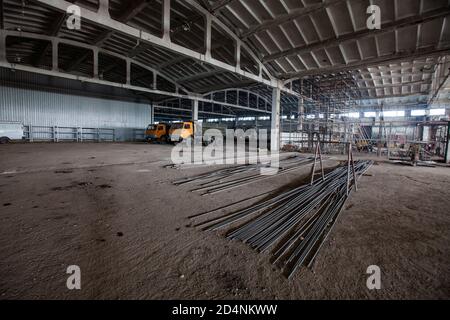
<point>41,108</point>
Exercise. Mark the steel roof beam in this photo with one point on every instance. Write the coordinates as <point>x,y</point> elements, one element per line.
<point>56,26</point>
<point>120,85</point>
<point>423,93</point>
<point>190,111</point>
<point>221,87</point>
<point>57,40</point>
<point>54,30</point>
<point>133,9</point>
<point>295,14</point>
<point>220,4</point>
<point>103,19</point>
<point>200,76</point>
<point>238,90</point>
<point>216,45</point>
<point>372,62</point>
<point>96,80</point>
<point>129,13</point>
<point>395,85</point>
<point>386,27</point>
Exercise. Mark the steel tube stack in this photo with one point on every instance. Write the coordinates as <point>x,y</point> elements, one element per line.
<point>238,176</point>
<point>294,224</point>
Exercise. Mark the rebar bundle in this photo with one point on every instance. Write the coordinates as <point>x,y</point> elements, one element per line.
<point>296,223</point>
<point>230,178</point>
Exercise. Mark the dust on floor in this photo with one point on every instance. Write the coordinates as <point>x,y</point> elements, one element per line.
<point>111,209</point>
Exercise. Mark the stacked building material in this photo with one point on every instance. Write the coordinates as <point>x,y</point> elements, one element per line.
<point>234,177</point>
<point>294,224</point>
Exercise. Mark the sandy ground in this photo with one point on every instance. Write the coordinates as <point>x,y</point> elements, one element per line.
<point>111,209</point>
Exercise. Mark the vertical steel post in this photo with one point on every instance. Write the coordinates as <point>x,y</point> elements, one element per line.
<point>95,71</point>
<point>348,167</point>
<point>166,20</point>
<point>2,16</point>
<point>275,127</point>
<point>321,163</point>
<point>128,71</point>
<point>195,110</point>
<point>353,168</point>
<point>208,36</point>
<point>152,113</point>
<point>314,164</point>
<point>447,145</point>
<point>2,46</point>
<point>55,53</point>
<point>237,57</point>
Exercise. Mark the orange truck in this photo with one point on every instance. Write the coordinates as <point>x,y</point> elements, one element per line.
<point>157,132</point>
<point>181,131</point>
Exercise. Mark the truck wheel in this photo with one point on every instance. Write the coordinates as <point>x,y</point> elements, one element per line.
<point>4,140</point>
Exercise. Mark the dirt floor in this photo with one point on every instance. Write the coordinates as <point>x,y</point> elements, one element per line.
<point>111,209</point>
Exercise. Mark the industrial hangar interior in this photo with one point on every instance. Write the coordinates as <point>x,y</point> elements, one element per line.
<point>111,186</point>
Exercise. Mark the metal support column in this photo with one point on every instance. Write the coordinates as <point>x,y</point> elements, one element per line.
<point>104,8</point>
<point>237,55</point>
<point>152,113</point>
<point>301,112</point>
<point>2,16</point>
<point>290,127</point>
<point>195,110</point>
<point>155,81</point>
<point>128,61</point>
<point>447,145</point>
<point>275,128</point>
<point>166,20</point>
<point>2,46</point>
<point>95,71</point>
<point>208,30</point>
<point>55,45</point>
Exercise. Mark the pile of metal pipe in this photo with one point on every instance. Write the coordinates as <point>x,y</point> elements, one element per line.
<point>230,178</point>
<point>295,224</point>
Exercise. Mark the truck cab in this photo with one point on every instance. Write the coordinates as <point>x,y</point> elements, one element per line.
<point>181,131</point>
<point>157,132</point>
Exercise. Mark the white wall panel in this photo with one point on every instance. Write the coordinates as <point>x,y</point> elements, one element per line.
<point>42,108</point>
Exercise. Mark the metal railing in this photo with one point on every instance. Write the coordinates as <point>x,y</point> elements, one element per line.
<point>139,134</point>
<point>66,134</point>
